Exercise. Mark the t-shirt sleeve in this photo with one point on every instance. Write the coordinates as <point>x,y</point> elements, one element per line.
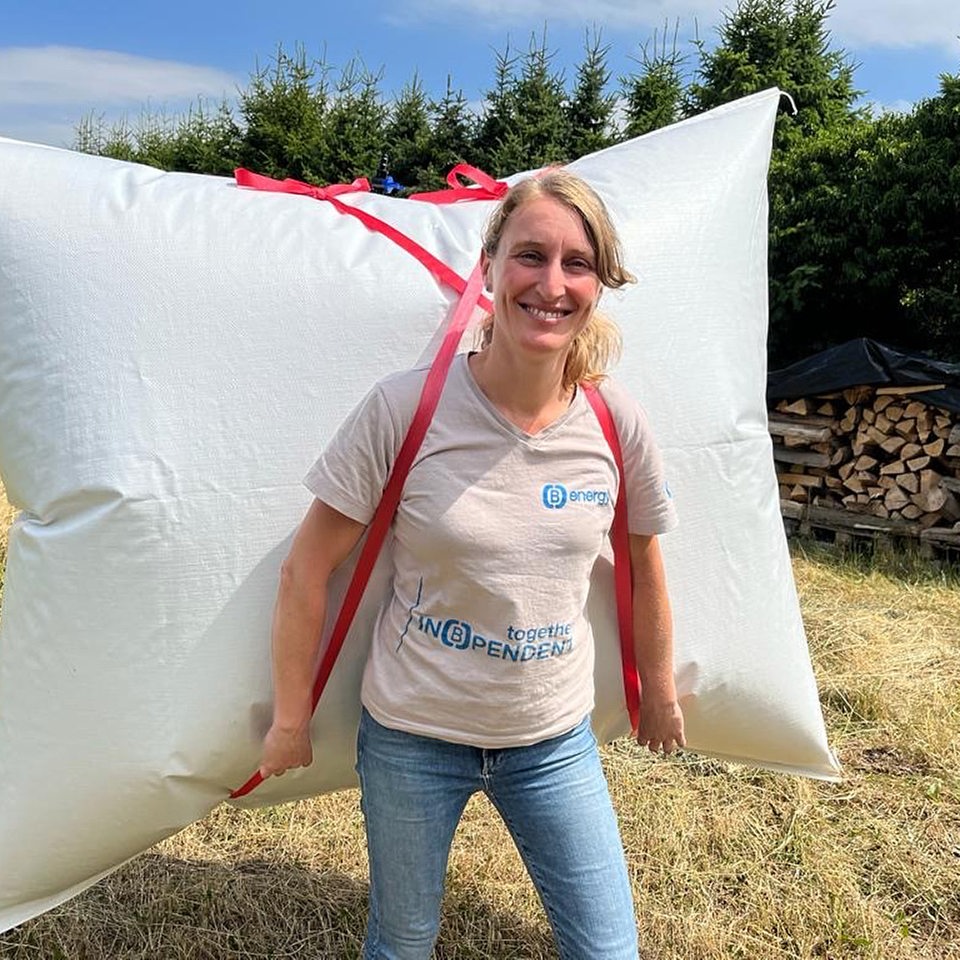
<point>650,505</point>
<point>354,467</point>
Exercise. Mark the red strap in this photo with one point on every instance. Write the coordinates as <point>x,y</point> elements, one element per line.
<point>383,517</point>
<point>487,188</point>
<point>622,571</point>
<point>470,297</point>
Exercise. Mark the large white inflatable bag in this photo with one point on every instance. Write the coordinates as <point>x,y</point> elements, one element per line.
<point>175,351</point>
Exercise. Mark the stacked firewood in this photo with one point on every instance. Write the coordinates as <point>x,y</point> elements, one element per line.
<point>883,452</point>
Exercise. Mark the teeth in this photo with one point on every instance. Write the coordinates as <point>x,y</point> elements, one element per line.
<point>546,314</point>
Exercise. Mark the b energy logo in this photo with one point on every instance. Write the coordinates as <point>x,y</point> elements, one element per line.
<point>555,496</point>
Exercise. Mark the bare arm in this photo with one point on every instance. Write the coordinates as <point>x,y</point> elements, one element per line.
<point>661,722</point>
<point>322,542</point>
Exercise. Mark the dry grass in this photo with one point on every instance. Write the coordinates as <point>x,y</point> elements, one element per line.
<point>727,862</point>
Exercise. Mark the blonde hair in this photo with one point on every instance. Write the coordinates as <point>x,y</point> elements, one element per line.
<point>599,343</point>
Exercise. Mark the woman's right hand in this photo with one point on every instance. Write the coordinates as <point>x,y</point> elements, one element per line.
<point>284,749</point>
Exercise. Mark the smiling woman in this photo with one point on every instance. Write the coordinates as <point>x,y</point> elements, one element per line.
<point>451,706</point>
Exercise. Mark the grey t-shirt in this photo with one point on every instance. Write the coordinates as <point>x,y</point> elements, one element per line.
<point>483,639</point>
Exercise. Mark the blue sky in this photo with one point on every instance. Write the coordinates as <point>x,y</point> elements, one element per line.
<point>61,60</point>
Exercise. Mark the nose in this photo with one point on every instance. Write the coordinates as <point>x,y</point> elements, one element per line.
<point>552,279</point>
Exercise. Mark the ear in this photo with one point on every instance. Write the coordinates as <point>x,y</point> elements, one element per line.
<point>485,270</point>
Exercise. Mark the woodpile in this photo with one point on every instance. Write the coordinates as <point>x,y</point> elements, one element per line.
<point>879,454</point>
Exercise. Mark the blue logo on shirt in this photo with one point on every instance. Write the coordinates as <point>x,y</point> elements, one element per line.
<point>554,496</point>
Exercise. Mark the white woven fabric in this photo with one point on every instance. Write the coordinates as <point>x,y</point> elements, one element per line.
<point>174,351</point>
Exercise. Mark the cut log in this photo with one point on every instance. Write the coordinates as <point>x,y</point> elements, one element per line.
<point>865,462</point>
<point>868,415</point>
<point>930,501</point>
<point>906,427</point>
<point>827,409</point>
<point>854,484</point>
<point>910,450</point>
<point>894,412</point>
<point>917,463</point>
<point>929,479</point>
<point>805,457</point>
<point>880,403</point>
<point>907,391</point>
<point>800,407</point>
<point>840,455</point>
<point>911,511</point>
<point>892,445</point>
<point>800,479</point>
<point>908,481</point>
<point>790,510</point>
<point>952,484</point>
<point>849,421</point>
<point>781,427</point>
<point>896,499</point>
<point>935,447</point>
<point>883,424</point>
<point>894,468</point>
<point>954,436</point>
<point>914,409</point>
<point>845,470</point>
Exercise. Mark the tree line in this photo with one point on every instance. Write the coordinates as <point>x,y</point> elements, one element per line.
<point>864,207</point>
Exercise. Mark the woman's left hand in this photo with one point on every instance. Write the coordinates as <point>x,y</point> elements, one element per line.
<point>661,725</point>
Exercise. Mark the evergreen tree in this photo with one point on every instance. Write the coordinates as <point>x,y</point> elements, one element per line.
<point>589,112</point>
<point>284,110</point>
<point>778,43</point>
<point>654,98</point>
<point>524,121</point>
<point>354,131</point>
<point>409,138</point>
<point>452,137</point>
<point>497,122</point>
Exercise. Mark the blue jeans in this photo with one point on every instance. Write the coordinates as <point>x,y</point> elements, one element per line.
<point>554,800</point>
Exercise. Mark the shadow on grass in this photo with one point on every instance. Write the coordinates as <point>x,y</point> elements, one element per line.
<point>163,908</point>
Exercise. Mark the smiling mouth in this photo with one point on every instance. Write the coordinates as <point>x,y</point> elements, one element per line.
<point>542,314</point>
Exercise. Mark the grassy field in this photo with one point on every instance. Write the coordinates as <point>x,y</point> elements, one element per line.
<point>726,862</point>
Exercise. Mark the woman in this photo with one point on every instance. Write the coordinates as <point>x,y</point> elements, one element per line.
<point>480,672</point>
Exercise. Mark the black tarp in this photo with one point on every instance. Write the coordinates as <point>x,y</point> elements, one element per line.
<point>865,362</point>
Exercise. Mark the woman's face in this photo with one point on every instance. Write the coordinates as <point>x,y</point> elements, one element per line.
<point>543,278</point>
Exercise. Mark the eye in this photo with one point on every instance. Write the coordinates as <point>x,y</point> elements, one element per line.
<point>529,256</point>
<point>580,265</point>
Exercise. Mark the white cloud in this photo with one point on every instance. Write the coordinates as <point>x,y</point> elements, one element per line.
<point>44,91</point>
<point>497,14</point>
<point>897,23</point>
<point>73,75</point>
<point>857,23</point>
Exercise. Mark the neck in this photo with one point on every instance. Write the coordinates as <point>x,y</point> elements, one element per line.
<point>530,395</point>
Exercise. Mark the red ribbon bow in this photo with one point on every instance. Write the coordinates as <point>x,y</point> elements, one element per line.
<point>486,188</point>
<point>247,178</point>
